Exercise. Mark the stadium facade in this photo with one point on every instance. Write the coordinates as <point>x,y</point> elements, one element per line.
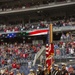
<point>33,12</point>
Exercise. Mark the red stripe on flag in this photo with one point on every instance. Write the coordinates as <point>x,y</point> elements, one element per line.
<point>38,31</point>
<point>51,49</point>
<point>49,56</point>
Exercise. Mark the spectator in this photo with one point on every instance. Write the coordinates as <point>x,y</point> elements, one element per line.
<point>18,73</point>
<point>70,70</point>
<point>31,72</point>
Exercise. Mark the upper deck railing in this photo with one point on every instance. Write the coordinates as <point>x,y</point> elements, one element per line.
<point>37,7</point>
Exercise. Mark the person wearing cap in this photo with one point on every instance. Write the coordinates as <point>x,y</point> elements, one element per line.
<point>53,71</point>
<point>63,70</point>
<point>71,70</point>
<point>40,71</point>
<point>37,72</point>
<point>45,71</point>
<point>56,71</point>
<point>31,72</point>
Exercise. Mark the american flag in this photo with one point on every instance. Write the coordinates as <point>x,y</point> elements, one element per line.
<point>49,55</point>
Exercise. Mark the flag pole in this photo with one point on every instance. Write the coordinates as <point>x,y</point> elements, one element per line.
<point>51,40</point>
<point>50,33</point>
<point>50,50</point>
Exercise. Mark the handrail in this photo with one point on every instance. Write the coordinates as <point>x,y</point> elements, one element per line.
<point>38,54</point>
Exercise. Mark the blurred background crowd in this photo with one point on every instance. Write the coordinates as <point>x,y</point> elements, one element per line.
<point>18,51</point>
<point>18,57</point>
<point>36,25</point>
<point>24,5</point>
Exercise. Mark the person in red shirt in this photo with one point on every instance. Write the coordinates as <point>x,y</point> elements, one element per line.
<point>11,73</point>
<point>18,66</point>
<point>3,62</point>
<point>70,70</point>
<point>14,65</point>
<point>57,52</point>
<point>21,55</point>
<point>61,43</point>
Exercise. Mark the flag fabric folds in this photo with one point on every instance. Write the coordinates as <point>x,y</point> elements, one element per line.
<point>49,55</point>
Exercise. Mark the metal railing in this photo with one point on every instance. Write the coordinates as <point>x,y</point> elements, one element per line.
<point>38,54</point>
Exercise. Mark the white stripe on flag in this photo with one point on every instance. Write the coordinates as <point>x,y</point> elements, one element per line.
<point>47,52</point>
<point>46,44</point>
<point>47,48</point>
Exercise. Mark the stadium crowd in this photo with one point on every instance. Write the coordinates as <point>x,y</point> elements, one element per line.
<point>66,47</point>
<point>14,55</point>
<point>8,7</point>
<point>17,59</point>
<point>30,26</point>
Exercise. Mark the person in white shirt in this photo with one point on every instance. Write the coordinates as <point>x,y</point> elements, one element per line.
<point>29,64</point>
<point>2,71</point>
<point>71,51</point>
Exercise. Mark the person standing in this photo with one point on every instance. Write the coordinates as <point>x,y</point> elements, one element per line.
<point>56,72</point>
<point>63,70</point>
<point>45,71</point>
<point>71,70</point>
<point>40,71</point>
